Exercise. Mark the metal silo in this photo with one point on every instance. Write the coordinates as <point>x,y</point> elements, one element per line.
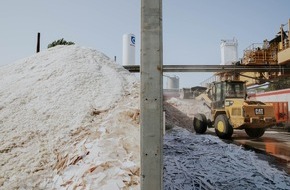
<point>229,51</point>
<point>128,49</point>
<point>172,82</point>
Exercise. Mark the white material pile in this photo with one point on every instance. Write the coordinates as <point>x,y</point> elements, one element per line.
<point>68,120</point>
<point>180,112</point>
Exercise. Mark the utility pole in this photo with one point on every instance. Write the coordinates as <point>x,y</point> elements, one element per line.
<point>151,100</point>
<point>38,43</point>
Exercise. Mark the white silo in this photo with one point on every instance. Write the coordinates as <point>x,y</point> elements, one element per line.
<point>172,82</point>
<point>128,49</point>
<point>229,51</point>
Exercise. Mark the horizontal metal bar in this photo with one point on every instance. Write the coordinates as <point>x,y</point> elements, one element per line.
<point>214,68</point>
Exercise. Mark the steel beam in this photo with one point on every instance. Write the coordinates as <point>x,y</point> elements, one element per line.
<point>151,99</point>
<point>214,68</point>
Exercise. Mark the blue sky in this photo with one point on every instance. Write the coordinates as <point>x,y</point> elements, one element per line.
<point>192,29</point>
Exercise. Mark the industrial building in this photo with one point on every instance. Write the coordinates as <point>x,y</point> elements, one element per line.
<point>274,52</point>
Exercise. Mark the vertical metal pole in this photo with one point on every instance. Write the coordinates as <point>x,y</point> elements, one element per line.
<point>282,36</point>
<point>38,43</point>
<point>288,32</point>
<point>151,99</point>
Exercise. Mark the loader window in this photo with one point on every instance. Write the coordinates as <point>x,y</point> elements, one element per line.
<point>218,94</point>
<point>235,90</point>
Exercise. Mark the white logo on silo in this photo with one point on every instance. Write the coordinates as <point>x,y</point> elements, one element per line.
<point>132,40</point>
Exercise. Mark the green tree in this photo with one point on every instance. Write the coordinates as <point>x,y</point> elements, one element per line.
<point>59,42</point>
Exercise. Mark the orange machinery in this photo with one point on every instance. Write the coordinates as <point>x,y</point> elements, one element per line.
<point>281,111</point>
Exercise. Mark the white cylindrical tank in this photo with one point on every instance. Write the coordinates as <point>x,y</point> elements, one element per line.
<point>229,51</point>
<point>172,82</point>
<point>128,49</point>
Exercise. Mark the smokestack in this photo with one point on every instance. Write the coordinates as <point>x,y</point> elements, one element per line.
<point>38,43</point>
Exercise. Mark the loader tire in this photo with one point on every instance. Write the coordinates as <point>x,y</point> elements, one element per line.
<point>200,123</point>
<point>255,132</point>
<point>223,129</point>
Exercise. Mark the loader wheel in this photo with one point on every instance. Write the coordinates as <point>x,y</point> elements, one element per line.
<point>255,132</point>
<point>200,123</point>
<point>223,129</point>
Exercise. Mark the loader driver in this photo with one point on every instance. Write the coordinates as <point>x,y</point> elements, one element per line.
<point>231,91</point>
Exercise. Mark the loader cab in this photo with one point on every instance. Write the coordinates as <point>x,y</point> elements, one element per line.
<point>227,90</point>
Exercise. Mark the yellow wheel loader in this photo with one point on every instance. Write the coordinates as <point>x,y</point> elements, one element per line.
<point>231,110</point>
